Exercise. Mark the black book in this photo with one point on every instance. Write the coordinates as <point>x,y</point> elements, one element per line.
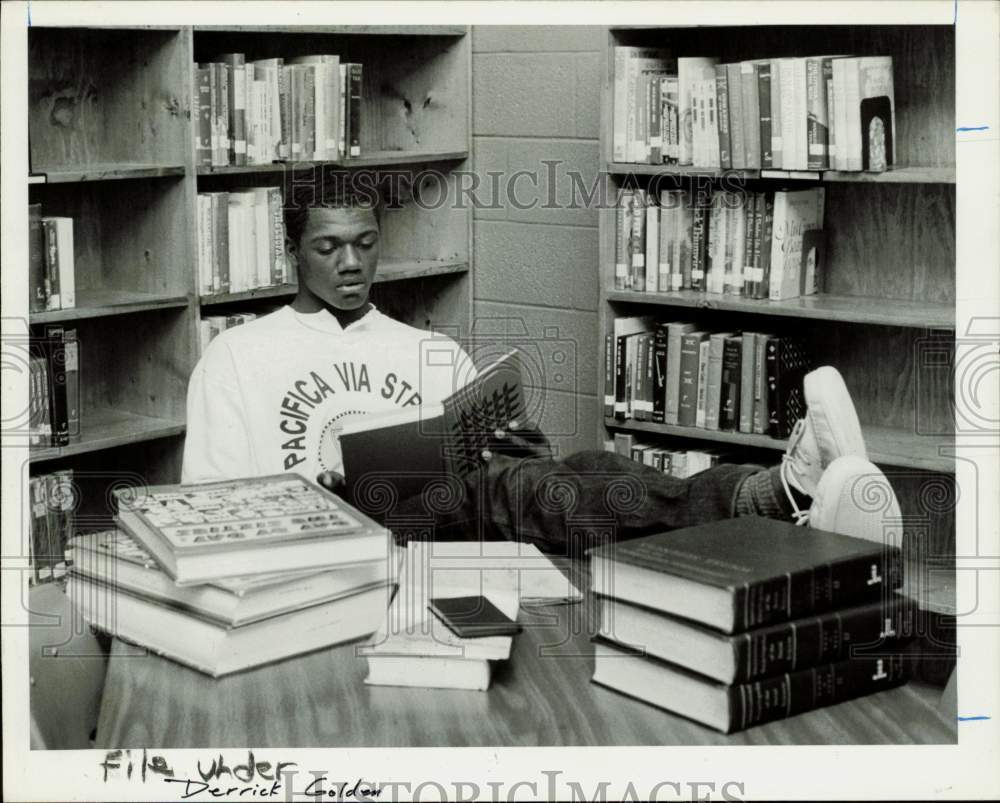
<point>660,373</point>
<point>742,573</point>
<point>472,617</point>
<point>729,397</point>
<point>786,364</point>
<point>55,357</point>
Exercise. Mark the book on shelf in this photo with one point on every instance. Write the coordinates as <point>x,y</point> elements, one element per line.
<point>440,441</point>
<point>797,114</point>
<point>786,363</point>
<point>216,649</point>
<point>874,627</point>
<point>58,282</point>
<point>115,559</point>
<point>729,708</point>
<point>201,533</point>
<point>54,414</point>
<point>53,500</point>
<point>796,243</point>
<point>36,259</point>
<point>772,571</point>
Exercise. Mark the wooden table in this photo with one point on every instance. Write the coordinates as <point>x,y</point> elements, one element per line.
<point>542,696</point>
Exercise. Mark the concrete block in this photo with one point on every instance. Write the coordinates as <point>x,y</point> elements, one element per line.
<point>524,95</point>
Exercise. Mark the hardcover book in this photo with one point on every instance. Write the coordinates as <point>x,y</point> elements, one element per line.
<point>737,574</point>
<point>737,707</point>
<point>201,533</point>
<point>787,363</point>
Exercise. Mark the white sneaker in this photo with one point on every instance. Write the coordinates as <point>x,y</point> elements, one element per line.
<point>854,498</point>
<point>829,430</point>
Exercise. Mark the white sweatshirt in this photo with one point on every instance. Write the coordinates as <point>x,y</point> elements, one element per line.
<point>272,395</point>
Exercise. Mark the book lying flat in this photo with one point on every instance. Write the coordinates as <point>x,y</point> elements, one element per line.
<point>112,557</point>
<point>215,649</point>
<point>763,651</point>
<point>745,572</point>
<point>414,448</point>
<point>200,533</point>
<point>737,707</point>
<point>428,672</point>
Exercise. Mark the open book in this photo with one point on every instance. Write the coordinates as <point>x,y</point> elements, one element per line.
<point>406,453</point>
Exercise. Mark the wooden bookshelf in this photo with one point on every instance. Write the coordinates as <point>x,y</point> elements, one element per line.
<point>113,147</point>
<point>887,446</point>
<point>888,281</point>
<point>824,307</point>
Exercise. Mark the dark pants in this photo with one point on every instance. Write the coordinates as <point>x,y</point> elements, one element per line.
<point>566,505</point>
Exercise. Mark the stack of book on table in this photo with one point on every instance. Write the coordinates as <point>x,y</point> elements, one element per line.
<point>229,575</point>
<point>453,614</point>
<point>749,620</point>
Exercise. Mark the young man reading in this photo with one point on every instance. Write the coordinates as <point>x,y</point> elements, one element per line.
<point>271,395</point>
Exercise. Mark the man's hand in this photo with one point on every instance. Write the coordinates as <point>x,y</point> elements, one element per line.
<point>332,481</point>
<point>519,439</point>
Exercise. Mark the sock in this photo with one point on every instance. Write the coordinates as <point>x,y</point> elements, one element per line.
<point>762,494</point>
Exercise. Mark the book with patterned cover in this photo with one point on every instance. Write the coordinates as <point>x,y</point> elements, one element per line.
<point>787,362</point>
<point>283,522</point>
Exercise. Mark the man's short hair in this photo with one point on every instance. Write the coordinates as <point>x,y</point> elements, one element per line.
<point>329,188</point>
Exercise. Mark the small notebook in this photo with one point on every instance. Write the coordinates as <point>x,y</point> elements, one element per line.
<point>472,617</point>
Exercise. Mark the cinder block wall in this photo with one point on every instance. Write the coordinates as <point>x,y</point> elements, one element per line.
<point>536,99</point>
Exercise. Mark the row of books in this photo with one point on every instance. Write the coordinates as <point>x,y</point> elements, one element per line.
<point>225,576</point>
<point>834,112</point>
<point>52,502</point>
<point>241,240</point>
<point>791,620</point>
<point>54,387</point>
<point>751,244</point>
<point>675,373</point>
<point>258,112</point>
<point>680,463</point>
<point>51,265</point>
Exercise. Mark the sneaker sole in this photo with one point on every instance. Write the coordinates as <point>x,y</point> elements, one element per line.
<point>832,414</point>
<point>855,498</point>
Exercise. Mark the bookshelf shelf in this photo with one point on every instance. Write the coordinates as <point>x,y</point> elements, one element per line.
<point>899,175</point>
<point>376,159</point>
<point>102,302</point>
<point>108,172</point>
<point>389,270</point>
<point>886,446</point>
<point>847,309</point>
<point>106,429</point>
<point>341,30</point>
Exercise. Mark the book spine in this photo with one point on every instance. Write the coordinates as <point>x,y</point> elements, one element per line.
<point>736,125</point>
<point>777,157</point>
<point>623,229</point>
<point>652,243</point>
<point>760,411</point>
<point>748,355</point>
<point>609,375</point>
<point>825,587</point>
<point>648,382</point>
<point>808,689</point>
<point>203,153</point>
<point>722,109</point>
<point>840,113</point>
<point>690,355</point>
<point>729,384</point>
<point>55,347</point>
<point>38,542</point>
<point>72,352</point>
<point>770,651</point>
<point>758,243</point>
<point>713,392</point>
<point>67,263</point>
<point>637,241</point>
<point>787,92</point>
<point>621,371</point>
<point>773,385</point>
<point>236,96</point>
<point>766,236</point>
<point>222,241</point>
<point>831,114</point>
<point>277,224</point>
<point>685,223</point>
<point>354,123</point>
<point>699,235</point>
<point>664,250</point>
<point>284,112</point>
<point>52,298</point>
<point>763,74</point>
<point>801,120</point>
<point>638,371</point>
<point>660,373</point>
<point>653,92</point>
<point>749,206</point>
<point>700,399</point>
<point>308,101</point>
<point>675,340</point>
<point>619,139</point>
<point>36,259</point>
<point>816,116</point>
<point>671,114</point>
<point>751,115</point>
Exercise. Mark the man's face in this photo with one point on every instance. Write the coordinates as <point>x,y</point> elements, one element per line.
<point>337,255</point>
